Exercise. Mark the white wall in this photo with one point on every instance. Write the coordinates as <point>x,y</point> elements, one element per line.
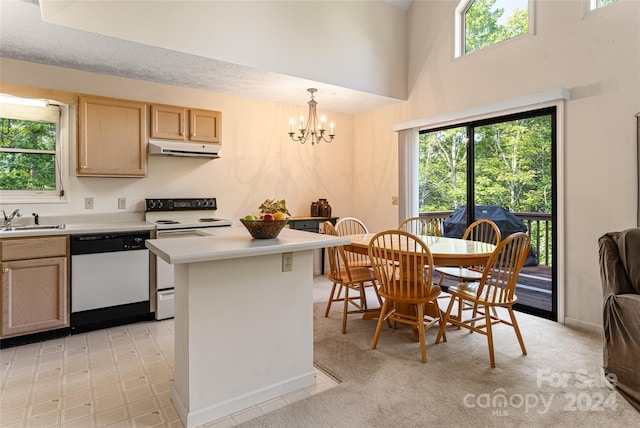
<point>297,38</point>
<point>594,54</point>
<point>258,160</point>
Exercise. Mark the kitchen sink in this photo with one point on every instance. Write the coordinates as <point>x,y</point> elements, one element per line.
<point>33,227</point>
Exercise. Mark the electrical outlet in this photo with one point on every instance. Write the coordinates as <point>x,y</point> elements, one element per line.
<point>122,203</point>
<point>394,200</point>
<point>287,262</point>
<point>88,203</point>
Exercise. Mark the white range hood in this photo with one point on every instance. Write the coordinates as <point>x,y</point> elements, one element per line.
<point>183,148</point>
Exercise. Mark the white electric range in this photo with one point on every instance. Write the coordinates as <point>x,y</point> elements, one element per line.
<point>175,218</point>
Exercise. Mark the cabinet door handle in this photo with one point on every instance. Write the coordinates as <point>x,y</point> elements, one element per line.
<point>5,270</point>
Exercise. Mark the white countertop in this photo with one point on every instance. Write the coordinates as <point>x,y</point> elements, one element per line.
<point>235,242</point>
<point>77,228</point>
<point>81,223</point>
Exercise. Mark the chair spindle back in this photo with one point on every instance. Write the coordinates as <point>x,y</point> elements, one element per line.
<point>352,226</point>
<point>403,265</point>
<point>338,265</point>
<point>500,275</point>
<point>483,230</point>
<point>420,226</point>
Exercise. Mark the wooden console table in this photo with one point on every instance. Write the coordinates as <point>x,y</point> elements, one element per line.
<point>311,224</point>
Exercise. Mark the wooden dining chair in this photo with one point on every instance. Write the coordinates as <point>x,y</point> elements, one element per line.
<point>346,278</point>
<point>352,226</point>
<point>482,230</point>
<point>420,226</point>
<point>403,265</point>
<point>496,288</point>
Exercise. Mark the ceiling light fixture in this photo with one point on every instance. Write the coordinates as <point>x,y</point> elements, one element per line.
<point>314,128</point>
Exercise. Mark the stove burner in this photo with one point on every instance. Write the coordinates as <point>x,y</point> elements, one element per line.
<point>167,222</point>
<point>207,220</point>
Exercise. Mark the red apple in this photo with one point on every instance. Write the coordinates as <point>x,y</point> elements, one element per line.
<point>268,217</point>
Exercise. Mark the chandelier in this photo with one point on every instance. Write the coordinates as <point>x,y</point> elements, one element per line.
<point>314,130</point>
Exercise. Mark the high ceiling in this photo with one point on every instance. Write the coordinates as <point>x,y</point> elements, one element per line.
<point>24,36</point>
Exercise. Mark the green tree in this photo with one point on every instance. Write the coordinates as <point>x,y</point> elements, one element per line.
<point>482,27</point>
<point>29,169</point>
<point>512,166</point>
<point>442,169</point>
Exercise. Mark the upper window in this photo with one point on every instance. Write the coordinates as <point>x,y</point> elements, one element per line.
<point>32,133</point>
<point>483,23</point>
<point>599,3</point>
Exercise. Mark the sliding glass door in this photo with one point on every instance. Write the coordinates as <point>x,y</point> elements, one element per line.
<point>504,168</point>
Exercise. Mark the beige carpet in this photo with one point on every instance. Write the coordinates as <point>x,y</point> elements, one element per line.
<point>558,383</point>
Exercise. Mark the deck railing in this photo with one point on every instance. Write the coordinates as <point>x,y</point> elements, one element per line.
<point>538,228</point>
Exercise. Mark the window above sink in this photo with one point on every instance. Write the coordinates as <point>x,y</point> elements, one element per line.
<point>33,150</point>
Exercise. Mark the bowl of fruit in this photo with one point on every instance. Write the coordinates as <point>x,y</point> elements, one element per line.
<point>269,223</point>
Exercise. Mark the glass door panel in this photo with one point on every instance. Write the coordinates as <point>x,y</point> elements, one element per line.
<point>513,164</point>
<point>512,169</point>
<point>443,170</point>
<point>506,164</point>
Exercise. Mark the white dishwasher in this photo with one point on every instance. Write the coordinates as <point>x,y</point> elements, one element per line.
<point>109,279</point>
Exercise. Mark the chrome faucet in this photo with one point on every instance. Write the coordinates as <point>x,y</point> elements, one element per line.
<point>8,220</point>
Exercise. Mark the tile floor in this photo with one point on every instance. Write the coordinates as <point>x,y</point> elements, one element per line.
<point>116,377</point>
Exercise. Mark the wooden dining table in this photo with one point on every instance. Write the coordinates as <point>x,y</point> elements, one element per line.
<point>445,252</point>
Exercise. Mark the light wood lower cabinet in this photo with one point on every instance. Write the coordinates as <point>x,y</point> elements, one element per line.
<point>35,285</point>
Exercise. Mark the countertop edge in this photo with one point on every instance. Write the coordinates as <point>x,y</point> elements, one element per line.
<point>73,229</point>
<point>185,251</point>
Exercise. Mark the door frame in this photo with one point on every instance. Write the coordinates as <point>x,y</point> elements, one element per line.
<point>538,112</point>
<point>408,166</point>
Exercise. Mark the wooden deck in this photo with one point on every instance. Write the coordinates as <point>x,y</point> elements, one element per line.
<point>533,289</point>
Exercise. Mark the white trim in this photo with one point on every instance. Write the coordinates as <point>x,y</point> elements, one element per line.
<point>513,105</point>
<point>408,151</point>
<point>559,260</point>
<point>638,165</point>
<point>583,325</point>
<point>551,98</point>
<point>459,30</point>
<point>66,125</point>
<point>531,16</point>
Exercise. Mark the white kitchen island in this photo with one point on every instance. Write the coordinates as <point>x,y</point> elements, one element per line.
<point>243,324</point>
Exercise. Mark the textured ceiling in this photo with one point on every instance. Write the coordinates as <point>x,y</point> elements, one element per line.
<point>24,36</point>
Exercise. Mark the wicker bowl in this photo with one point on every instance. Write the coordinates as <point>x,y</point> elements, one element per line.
<point>264,229</point>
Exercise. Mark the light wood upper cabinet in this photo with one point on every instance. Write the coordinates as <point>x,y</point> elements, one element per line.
<point>35,286</point>
<point>111,137</point>
<point>168,122</point>
<point>183,124</point>
<point>204,126</point>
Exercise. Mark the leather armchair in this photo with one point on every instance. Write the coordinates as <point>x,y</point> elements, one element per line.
<point>620,275</point>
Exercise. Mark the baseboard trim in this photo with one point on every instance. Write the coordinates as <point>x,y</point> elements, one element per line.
<point>196,417</point>
<point>582,325</point>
